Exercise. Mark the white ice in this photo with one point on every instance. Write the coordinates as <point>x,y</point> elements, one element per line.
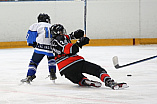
<point>142,84</point>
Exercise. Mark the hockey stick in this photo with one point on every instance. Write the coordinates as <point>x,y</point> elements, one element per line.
<point>85,13</point>
<point>116,63</point>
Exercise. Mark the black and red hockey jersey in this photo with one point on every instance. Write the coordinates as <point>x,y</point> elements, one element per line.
<point>65,51</point>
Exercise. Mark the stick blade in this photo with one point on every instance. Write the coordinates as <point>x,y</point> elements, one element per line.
<point>115,62</point>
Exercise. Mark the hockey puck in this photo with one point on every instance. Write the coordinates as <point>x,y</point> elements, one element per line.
<point>129,75</point>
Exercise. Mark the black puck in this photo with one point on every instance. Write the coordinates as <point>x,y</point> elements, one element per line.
<point>129,75</point>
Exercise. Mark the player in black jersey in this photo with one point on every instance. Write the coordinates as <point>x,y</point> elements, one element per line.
<point>72,65</point>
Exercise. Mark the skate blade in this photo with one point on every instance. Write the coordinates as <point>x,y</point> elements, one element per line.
<point>117,87</point>
<point>96,84</point>
<point>24,81</point>
<point>53,81</point>
<point>21,83</point>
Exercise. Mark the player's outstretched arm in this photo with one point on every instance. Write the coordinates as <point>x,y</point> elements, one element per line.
<point>82,41</point>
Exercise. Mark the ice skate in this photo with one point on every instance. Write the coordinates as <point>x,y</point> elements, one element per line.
<point>28,79</point>
<point>114,85</point>
<point>92,83</point>
<point>52,74</point>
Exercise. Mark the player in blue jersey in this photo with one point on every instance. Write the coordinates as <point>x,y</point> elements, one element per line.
<point>39,37</point>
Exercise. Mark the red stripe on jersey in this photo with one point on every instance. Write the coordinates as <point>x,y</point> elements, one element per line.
<point>67,36</point>
<point>103,76</point>
<point>67,61</point>
<point>67,48</point>
<point>58,56</point>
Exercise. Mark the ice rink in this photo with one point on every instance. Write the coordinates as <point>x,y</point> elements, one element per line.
<point>142,84</point>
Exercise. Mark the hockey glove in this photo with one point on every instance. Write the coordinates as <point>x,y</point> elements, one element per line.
<point>33,45</point>
<point>82,41</point>
<point>78,34</point>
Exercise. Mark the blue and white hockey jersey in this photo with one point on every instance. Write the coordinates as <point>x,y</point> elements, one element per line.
<point>39,33</point>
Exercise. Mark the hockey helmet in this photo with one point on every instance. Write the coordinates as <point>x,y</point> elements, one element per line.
<point>57,29</point>
<point>43,18</point>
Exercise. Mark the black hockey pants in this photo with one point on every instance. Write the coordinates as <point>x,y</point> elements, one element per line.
<point>74,72</point>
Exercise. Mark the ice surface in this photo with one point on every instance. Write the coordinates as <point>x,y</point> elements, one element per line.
<point>142,84</point>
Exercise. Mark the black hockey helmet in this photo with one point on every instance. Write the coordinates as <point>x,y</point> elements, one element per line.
<point>44,18</point>
<point>57,29</point>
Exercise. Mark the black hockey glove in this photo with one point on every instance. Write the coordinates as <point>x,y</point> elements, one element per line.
<point>33,45</point>
<point>82,41</point>
<point>78,34</point>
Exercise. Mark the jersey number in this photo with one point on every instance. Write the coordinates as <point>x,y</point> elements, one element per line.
<point>47,33</point>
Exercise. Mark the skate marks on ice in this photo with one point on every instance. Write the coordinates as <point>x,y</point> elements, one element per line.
<point>142,84</point>
<point>59,93</point>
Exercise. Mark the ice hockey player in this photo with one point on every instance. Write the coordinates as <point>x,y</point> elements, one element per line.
<point>71,65</point>
<point>38,36</point>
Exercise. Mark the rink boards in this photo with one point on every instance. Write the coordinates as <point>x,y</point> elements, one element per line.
<point>93,42</point>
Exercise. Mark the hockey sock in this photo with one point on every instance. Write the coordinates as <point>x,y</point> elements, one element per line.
<point>82,81</point>
<point>52,65</point>
<point>104,77</point>
<point>32,68</point>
